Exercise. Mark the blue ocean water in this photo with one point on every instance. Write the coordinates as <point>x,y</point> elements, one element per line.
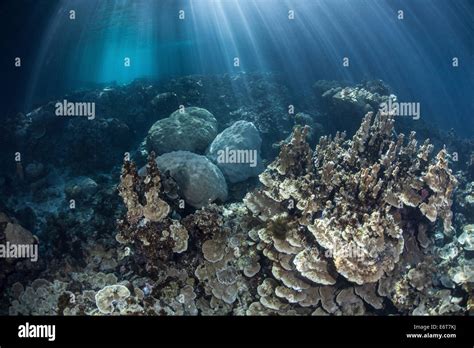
<point>413,54</point>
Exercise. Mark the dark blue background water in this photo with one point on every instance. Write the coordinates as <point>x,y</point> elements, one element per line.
<point>413,55</point>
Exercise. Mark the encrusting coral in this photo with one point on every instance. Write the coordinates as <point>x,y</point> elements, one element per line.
<point>110,297</point>
<point>229,261</point>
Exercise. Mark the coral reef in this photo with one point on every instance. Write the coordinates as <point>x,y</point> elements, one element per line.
<point>90,144</point>
<point>165,102</point>
<point>260,98</point>
<point>368,224</point>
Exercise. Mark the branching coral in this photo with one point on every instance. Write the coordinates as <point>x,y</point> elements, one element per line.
<point>147,225</point>
<point>132,187</point>
<point>341,209</point>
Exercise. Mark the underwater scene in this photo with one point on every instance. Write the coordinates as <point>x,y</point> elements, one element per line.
<point>237,157</point>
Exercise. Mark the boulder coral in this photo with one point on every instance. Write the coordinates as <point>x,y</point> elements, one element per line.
<point>188,129</point>
<point>236,151</point>
<point>199,180</point>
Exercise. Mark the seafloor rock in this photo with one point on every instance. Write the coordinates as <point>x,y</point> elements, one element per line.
<point>236,151</point>
<point>190,129</point>
<point>34,170</point>
<point>199,180</point>
<point>350,103</point>
<point>81,187</point>
<point>76,142</point>
<point>17,235</point>
<point>465,201</point>
<point>260,98</point>
<point>165,102</point>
